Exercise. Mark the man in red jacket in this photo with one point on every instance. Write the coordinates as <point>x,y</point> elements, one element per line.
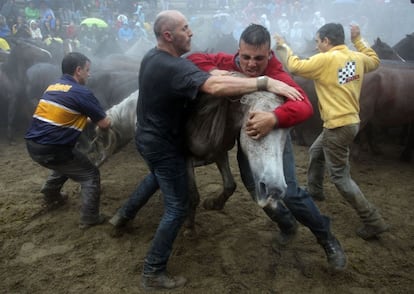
<point>255,59</point>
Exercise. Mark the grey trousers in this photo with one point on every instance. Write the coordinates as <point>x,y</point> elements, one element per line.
<point>66,163</point>
<point>331,151</point>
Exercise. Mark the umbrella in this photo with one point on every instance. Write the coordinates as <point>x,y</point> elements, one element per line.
<point>100,23</point>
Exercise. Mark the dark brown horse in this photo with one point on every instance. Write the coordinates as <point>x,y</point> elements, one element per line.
<point>385,51</point>
<point>13,80</point>
<point>405,47</point>
<point>387,100</point>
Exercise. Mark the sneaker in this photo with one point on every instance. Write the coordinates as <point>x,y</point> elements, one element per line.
<point>335,254</point>
<point>118,220</point>
<point>162,281</point>
<point>368,231</point>
<point>101,219</point>
<point>285,237</point>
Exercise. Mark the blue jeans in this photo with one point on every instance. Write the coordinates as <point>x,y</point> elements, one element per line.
<point>168,173</point>
<point>297,205</point>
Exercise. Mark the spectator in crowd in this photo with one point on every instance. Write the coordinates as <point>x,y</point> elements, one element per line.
<point>318,20</point>
<point>59,31</point>
<point>71,30</point>
<point>31,11</point>
<point>47,14</point>
<point>139,31</point>
<point>65,11</point>
<point>284,25</point>
<point>84,36</point>
<point>4,28</point>
<point>140,15</point>
<point>18,25</point>
<point>296,37</point>
<point>10,11</point>
<point>35,31</point>
<point>46,29</point>
<point>264,21</point>
<point>125,35</point>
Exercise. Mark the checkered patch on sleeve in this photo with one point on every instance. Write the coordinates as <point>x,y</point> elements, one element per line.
<point>347,73</point>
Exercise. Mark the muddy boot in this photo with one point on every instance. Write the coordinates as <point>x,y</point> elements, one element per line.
<point>374,224</point>
<point>86,223</point>
<point>55,199</point>
<point>367,231</point>
<point>334,253</point>
<point>162,281</point>
<point>119,224</point>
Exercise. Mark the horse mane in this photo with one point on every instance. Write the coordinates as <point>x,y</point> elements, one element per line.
<point>385,51</point>
<point>207,122</point>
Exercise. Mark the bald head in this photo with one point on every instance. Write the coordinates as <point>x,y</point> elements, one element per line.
<point>167,20</point>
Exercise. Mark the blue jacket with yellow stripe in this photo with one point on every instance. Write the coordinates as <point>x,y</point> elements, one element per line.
<point>62,113</point>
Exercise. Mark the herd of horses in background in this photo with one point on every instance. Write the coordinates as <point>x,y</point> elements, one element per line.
<point>25,72</point>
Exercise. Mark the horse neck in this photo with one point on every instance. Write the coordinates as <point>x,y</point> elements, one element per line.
<point>261,101</point>
<point>405,48</point>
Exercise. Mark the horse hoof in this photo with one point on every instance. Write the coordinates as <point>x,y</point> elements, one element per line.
<point>212,204</point>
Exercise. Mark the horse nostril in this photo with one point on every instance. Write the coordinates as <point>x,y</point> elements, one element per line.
<point>262,189</point>
<point>276,192</point>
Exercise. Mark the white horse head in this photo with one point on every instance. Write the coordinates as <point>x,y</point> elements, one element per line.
<point>265,155</point>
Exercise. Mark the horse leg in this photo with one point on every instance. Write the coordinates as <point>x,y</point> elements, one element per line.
<point>229,185</point>
<point>194,200</point>
<point>368,135</point>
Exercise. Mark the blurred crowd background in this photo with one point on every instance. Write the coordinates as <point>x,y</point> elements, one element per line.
<point>216,24</point>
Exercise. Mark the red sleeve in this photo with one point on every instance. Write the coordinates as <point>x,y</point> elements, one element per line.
<point>291,112</point>
<point>208,62</point>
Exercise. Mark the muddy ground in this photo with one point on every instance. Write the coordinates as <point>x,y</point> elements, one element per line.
<point>235,250</point>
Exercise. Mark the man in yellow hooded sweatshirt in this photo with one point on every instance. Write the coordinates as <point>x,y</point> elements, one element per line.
<point>338,73</point>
